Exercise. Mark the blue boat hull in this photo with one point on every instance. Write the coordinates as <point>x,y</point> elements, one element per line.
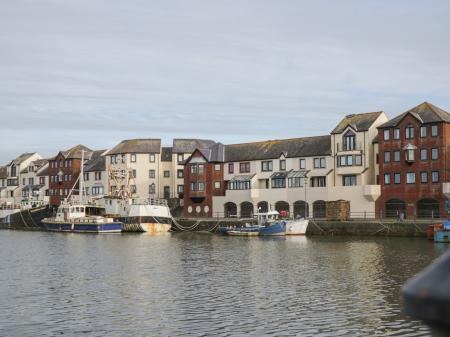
<point>109,227</point>
<point>278,228</point>
<point>442,236</point>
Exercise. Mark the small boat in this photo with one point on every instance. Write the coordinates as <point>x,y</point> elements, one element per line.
<point>442,234</point>
<point>269,223</point>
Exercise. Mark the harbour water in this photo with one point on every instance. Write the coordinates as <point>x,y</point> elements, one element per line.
<point>187,284</point>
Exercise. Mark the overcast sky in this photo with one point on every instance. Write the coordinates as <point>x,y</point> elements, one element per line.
<point>99,71</point>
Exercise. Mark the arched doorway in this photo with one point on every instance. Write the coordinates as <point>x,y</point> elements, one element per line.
<point>246,210</point>
<point>282,207</point>
<point>301,209</point>
<point>263,207</point>
<point>395,207</point>
<point>319,209</point>
<point>428,208</point>
<point>230,210</point>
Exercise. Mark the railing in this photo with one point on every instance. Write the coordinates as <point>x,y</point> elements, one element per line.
<point>356,147</point>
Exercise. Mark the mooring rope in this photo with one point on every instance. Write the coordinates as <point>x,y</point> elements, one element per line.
<point>185,229</point>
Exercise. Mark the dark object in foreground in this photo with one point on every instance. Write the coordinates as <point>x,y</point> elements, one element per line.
<point>427,295</point>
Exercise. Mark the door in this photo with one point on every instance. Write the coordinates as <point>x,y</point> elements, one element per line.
<point>166,192</point>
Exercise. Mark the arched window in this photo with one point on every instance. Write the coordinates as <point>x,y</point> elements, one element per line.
<point>263,207</point>
<point>395,208</point>
<point>300,209</point>
<point>319,209</point>
<point>246,209</point>
<point>230,210</point>
<point>428,208</point>
<point>349,141</point>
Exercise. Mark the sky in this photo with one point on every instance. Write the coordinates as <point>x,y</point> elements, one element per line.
<point>96,72</point>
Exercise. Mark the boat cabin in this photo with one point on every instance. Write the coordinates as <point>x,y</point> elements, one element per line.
<point>67,212</point>
<point>267,217</point>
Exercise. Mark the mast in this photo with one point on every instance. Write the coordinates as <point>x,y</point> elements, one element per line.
<point>82,177</point>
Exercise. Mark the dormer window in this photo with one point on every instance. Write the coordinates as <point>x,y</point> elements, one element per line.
<point>410,153</point>
<point>409,132</point>
<point>349,141</point>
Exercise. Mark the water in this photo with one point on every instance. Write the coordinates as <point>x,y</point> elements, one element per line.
<point>188,284</point>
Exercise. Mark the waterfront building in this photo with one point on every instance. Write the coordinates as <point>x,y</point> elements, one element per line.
<point>64,172</point>
<point>414,163</point>
<point>181,151</point>
<point>12,194</point>
<point>204,180</point>
<point>34,182</point>
<point>135,163</point>
<point>3,183</point>
<point>95,177</point>
<point>167,174</point>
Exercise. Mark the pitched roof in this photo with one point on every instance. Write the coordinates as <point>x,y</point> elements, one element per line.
<point>272,149</point>
<point>44,172</point>
<point>424,112</point>
<point>20,159</point>
<point>137,146</point>
<point>3,172</point>
<point>359,122</point>
<point>75,152</point>
<point>166,154</point>
<point>215,153</point>
<point>97,163</point>
<point>189,145</point>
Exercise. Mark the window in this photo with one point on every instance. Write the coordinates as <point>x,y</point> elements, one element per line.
<point>180,189</point>
<point>397,156</point>
<point>387,156</point>
<point>217,185</point>
<point>423,154</point>
<point>193,168</point>
<point>124,159</point>
<point>180,174</point>
<point>133,158</point>
<point>318,181</point>
<point>201,186</point>
<point>151,189</point>
<point>296,182</point>
<point>319,162</point>
<point>358,160</point>
<point>30,181</point>
<point>434,131</point>
<point>244,167</point>
<point>98,175</point>
<point>282,165</point>
<point>166,174</point>
<point>24,181</point>
<point>435,176</point>
<point>86,176</point>
<point>434,154</point>
<point>133,174</point>
<point>409,154</point>
<point>239,185</point>
<point>387,134</point>
<point>302,163</point>
<point>180,158</point>
<point>217,167</point>
<point>396,134</point>
<point>193,186</point>
<point>397,178</point>
<point>86,191</point>
<point>423,131</point>
<point>151,157</point>
<point>151,173</point>
<point>41,181</point>
<point>201,168</point>
<point>349,141</point>
<point>133,188</point>
<point>387,178</point>
<point>278,182</point>
<point>231,168</point>
<point>409,132</point>
<point>424,177</point>
<point>349,180</point>
<point>266,166</point>
<point>113,159</point>
<point>410,178</point>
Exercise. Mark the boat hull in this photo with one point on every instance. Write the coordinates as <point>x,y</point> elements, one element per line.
<point>297,227</point>
<point>276,229</point>
<point>442,236</point>
<point>242,233</point>
<point>108,227</point>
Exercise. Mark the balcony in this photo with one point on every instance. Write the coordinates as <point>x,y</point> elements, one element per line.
<point>372,192</point>
<point>356,148</point>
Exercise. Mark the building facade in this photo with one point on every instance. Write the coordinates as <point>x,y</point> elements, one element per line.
<point>414,163</point>
<point>34,182</point>
<point>95,177</point>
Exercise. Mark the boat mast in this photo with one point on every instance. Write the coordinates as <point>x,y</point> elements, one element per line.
<point>82,177</point>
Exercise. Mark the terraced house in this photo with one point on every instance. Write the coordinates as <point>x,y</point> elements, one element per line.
<point>414,163</point>
<point>95,177</point>
<point>294,175</point>
<point>34,183</point>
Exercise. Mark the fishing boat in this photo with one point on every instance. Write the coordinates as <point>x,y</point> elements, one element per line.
<point>442,234</point>
<point>270,224</point>
<point>71,215</point>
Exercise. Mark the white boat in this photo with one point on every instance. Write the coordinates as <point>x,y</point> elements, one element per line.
<point>297,227</point>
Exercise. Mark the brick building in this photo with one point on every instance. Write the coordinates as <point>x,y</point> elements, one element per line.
<point>203,179</point>
<point>64,170</point>
<point>414,163</point>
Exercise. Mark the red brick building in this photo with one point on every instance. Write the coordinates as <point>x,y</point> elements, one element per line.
<point>414,163</point>
<point>203,179</point>
<point>63,171</point>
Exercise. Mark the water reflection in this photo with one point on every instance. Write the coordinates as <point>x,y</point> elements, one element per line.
<point>187,284</point>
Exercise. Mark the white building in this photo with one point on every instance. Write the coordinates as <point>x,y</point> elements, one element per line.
<point>34,182</point>
<point>95,176</point>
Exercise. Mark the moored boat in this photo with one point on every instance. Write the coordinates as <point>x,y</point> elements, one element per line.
<point>442,234</point>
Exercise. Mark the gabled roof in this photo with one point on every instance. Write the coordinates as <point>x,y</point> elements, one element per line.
<point>20,159</point>
<point>166,154</point>
<point>3,172</point>
<point>44,172</point>
<point>137,146</point>
<point>97,163</point>
<point>215,153</point>
<point>189,145</point>
<point>75,152</point>
<point>424,112</point>
<point>272,149</point>
<point>359,122</point>
<point>39,163</point>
